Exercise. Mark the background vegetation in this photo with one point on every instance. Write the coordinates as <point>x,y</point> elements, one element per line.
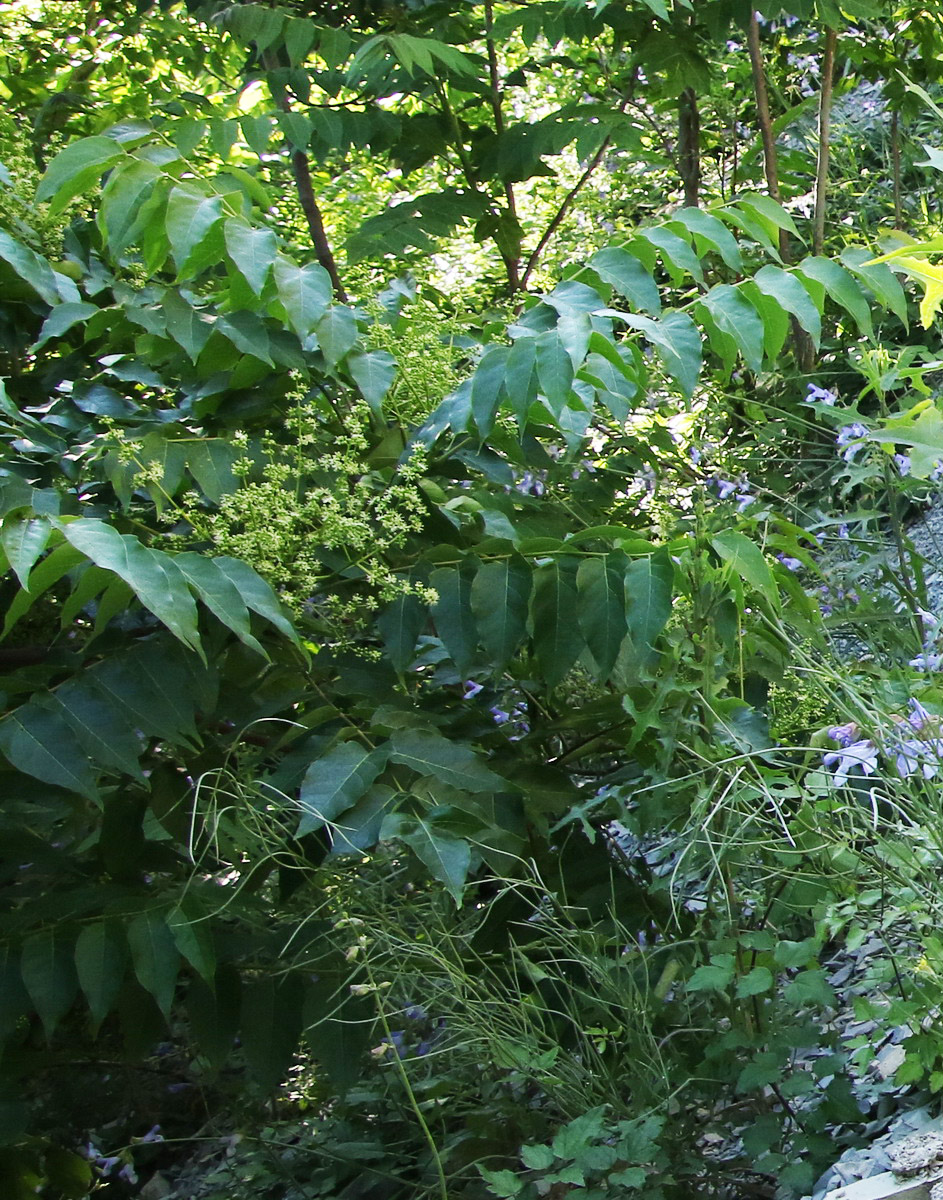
<point>471,716</point>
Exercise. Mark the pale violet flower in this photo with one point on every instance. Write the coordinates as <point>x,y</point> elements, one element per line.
<point>863,754</point>
<point>925,661</point>
<point>851,434</point>
<point>903,463</point>
<point>822,395</point>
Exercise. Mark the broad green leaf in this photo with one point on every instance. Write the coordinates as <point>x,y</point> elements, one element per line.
<point>487,387</point>
<point>191,218</point>
<point>841,286</point>
<point>754,983</point>
<point>189,327</point>
<point>103,729</point>
<point>253,251</point>
<point>335,782</point>
<point>878,277</point>
<point>786,288</point>
<point>358,830</point>
<point>373,373</point>
<point>304,294</point>
<point>921,430</point>
<point>626,274</point>
<point>213,1012</point>
<point>75,168</point>
<point>297,128</point>
<point>775,318</point>
<point>210,462</point>
<point>192,931</point>
<point>24,539</point>
<point>602,618</point>
<point>520,377</point>
<point>300,35</point>
<point>430,754</point>
<point>453,616</point>
<point>712,233</point>
<point>500,596</point>
<point>61,320</point>
<point>678,343</point>
<point>31,268</point>
<point>49,975</point>
<point>677,255</point>
<point>738,319</point>
<point>154,576</point>
<point>336,333</point>
<point>649,584</point>
<point>257,594</point>
<point>400,625</point>
<point>155,684</point>
<point>219,594</point>
<point>270,1026</point>
<point>41,744</point>
<point>155,957</point>
<point>100,959</point>
<point>247,332</point>
<point>123,197</point>
<point>746,559</point>
<point>558,641</point>
<point>571,1141</point>
<point>537,1158</point>
<point>716,977</point>
<point>447,856</point>
<point>810,987</point>
<point>770,211</point>
<point>554,370</point>
<point>257,130</point>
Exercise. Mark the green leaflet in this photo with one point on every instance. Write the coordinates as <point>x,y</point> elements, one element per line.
<point>676,253</point>
<point>220,595</point>
<point>487,387</point>
<point>710,234</point>
<point>649,584</point>
<point>499,598</point>
<point>448,857</point>
<point>787,289</point>
<point>49,975</point>
<point>102,727</point>
<point>602,616</point>
<point>739,320</point>
<point>252,250</point>
<point>430,754</point>
<point>61,320</point>
<point>155,957</point>
<point>453,616</point>
<point>878,277</point>
<point>373,373</point>
<point>616,266</point>
<point>248,333</point>
<point>399,626</point>
<point>336,333</point>
<point>101,958</point>
<point>335,782</point>
<point>24,539</point>
<point>31,268</point>
<point>554,370</point>
<point>124,196</point>
<point>746,558</point>
<point>678,343</point>
<point>190,222</point>
<point>41,743</point>
<point>192,930</point>
<point>841,286</point>
<point>270,1026</point>
<point>558,641</point>
<point>75,168</point>
<point>303,292</point>
<point>154,577</point>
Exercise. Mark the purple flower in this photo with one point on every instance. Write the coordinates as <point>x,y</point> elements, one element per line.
<point>794,564</point>
<point>925,661</point>
<point>850,433</point>
<point>725,488</point>
<point>903,463</point>
<point>743,500</point>
<point>500,716</point>
<point>843,531</point>
<point>863,754</point>
<point>822,395</point>
<point>843,734</point>
<point>471,689</point>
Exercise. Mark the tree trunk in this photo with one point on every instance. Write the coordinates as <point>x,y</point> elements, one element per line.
<point>825,119</point>
<point>689,146</point>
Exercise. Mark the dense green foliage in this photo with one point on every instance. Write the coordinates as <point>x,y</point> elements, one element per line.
<point>465,668</point>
